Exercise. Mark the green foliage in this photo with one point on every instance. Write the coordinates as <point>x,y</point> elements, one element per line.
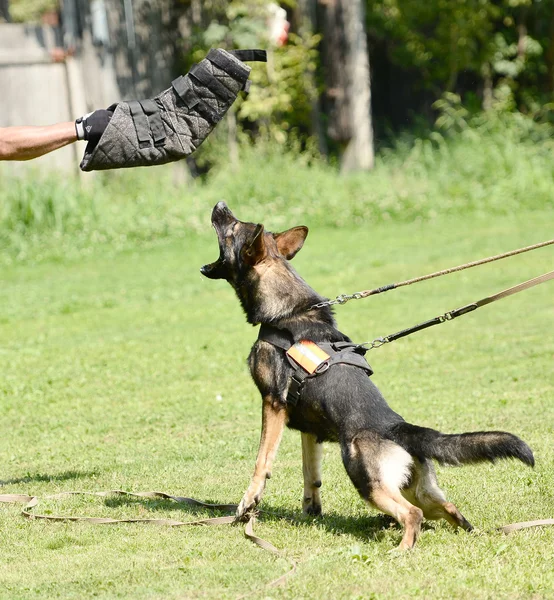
<point>281,97</point>
<point>506,43</point>
<point>510,61</point>
<point>496,126</point>
<point>237,23</point>
<point>44,215</point>
<point>279,104</point>
<point>51,204</point>
<point>31,10</point>
<point>439,37</point>
<point>491,163</point>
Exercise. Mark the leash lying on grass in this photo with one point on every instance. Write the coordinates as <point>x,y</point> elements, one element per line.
<point>31,502</point>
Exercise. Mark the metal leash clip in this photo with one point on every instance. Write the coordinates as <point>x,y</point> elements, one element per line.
<point>340,299</point>
<point>376,343</point>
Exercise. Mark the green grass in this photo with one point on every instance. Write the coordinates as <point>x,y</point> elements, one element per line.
<point>126,369</point>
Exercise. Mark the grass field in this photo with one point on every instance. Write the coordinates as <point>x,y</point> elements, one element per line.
<point>126,369</point>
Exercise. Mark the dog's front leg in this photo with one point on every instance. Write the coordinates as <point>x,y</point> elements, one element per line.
<point>311,468</point>
<point>274,417</point>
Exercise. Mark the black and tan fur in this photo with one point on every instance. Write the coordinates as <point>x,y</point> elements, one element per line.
<point>387,459</point>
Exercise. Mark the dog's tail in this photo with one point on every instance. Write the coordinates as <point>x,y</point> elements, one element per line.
<point>461,448</point>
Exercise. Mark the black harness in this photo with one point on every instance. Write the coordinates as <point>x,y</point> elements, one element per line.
<point>345,353</point>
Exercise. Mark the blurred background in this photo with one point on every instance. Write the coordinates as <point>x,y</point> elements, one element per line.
<point>445,104</point>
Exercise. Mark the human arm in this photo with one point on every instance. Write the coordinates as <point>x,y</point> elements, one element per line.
<point>25,143</point>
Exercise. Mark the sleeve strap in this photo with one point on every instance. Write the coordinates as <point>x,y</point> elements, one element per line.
<point>152,111</point>
<point>183,88</point>
<point>141,123</point>
<point>205,78</point>
<point>250,55</point>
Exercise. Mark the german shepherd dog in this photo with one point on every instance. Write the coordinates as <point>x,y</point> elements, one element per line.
<point>387,459</point>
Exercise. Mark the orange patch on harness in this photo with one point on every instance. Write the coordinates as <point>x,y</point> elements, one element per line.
<point>308,355</point>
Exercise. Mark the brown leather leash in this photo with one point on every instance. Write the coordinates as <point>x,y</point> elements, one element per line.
<point>32,502</point>
<point>344,298</point>
<point>458,312</point>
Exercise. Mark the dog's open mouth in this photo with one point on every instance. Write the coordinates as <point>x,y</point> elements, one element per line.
<point>222,217</point>
<point>213,270</point>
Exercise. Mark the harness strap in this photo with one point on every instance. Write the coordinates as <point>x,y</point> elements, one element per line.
<point>282,338</point>
<point>345,353</point>
<point>296,385</point>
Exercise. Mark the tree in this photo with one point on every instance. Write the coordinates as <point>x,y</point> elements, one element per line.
<point>5,10</point>
<point>359,153</point>
<point>346,71</point>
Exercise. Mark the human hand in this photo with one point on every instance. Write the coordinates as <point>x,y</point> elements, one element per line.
<point>91,127</point>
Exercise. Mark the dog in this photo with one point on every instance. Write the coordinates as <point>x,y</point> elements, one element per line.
<point>387,459</point>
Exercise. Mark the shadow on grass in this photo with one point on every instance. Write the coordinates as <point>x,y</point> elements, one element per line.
<point>153,504</point>
<point>64,476</point>
<point>367,528</point>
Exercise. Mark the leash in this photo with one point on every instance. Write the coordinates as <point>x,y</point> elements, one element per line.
<point>458,312</point>
<point>31,502</point>
<point>344,298</point>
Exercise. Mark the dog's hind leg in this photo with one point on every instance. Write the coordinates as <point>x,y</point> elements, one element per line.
<point>274,417</point>
<point>409,516</point>
<point>311,468</point>
<point>424,491</point>
<point>380,469</point>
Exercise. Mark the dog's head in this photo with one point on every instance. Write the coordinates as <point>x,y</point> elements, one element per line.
<point>246,249</point>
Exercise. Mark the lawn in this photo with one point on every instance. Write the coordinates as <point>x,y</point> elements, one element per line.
<point>126,370</point>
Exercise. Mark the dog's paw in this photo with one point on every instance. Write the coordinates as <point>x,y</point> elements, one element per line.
<point>312,507</point>
<point>247,505</point>
<point>244,509</point>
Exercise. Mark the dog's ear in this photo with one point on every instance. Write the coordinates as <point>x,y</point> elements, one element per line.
<point>289,242</point>
<point>254,249</point>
